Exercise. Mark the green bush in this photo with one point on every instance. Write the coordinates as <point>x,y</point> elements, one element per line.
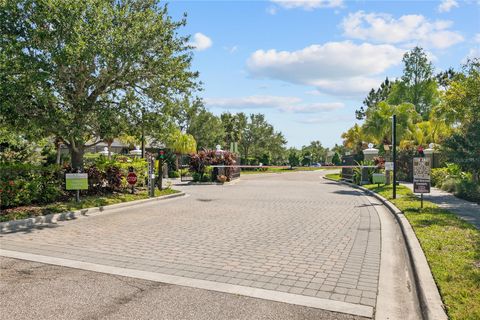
<point>140,167</point>
<point>449,185</point>
<point>468,190</point>
<point>25,184</point>
<point>174,174</point>
<point>196,176</point>
<point>438,176</point>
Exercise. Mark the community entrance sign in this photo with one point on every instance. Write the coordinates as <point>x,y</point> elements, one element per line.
<point>421,176</point>
<point>77,182</point>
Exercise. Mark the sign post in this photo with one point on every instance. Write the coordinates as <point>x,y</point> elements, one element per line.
<point>421,176</point>
<point>161,158</point>
<point>151,175</point>
<point>77,182</point>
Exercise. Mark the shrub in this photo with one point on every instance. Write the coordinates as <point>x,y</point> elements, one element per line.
<point>25,184</point>
<point>205,178</point>
<point>174,174</point>
<point>449,185</point>
<point>113,175</point>
<point>196,176</point>
<point>468,190</point>
<point>438,176</point>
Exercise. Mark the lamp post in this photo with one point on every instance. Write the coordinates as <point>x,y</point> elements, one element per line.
<point>394,155</point>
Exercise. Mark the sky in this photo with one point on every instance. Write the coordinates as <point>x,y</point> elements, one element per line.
<point>308,64</point>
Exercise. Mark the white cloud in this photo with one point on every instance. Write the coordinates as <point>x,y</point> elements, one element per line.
<point>314,107</point>
<point>231,49</point>
<point>472,53</point>
<point>272,10</point>
<point>201,42</point>
<point>447,5</point>
<point>342,68</point>
<point>282,103</point>
<point>477,38</point>
<point>308,4</point>
<point>408,29</point>
<point>328,119</point>
<point>252,102</point>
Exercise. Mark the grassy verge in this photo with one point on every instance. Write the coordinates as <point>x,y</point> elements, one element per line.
<point>280,170</point>
<point>86,202</point>
<point>452,248</point>
<point>333,176</point>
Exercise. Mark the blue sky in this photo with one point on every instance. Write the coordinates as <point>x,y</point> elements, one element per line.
<point>307,65</point>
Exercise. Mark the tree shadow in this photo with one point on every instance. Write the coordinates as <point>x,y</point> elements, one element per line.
<point>348,192</point>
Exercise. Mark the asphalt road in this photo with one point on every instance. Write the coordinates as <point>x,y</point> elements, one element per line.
<point>30,290</point>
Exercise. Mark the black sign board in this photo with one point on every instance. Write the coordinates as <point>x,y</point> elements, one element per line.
<point>421,186</point>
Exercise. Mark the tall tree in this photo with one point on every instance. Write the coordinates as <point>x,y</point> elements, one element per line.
<point>445,77</point>
<point>461,102</point>
<point>204,126</point>
<point>461,108</point>
<point>293,157</point>
<point>316,151</point>
<point>68,66</point>
<point>417,85</point>
<point>373,98</point>
<point>260,138</point>
<point>234,126</point>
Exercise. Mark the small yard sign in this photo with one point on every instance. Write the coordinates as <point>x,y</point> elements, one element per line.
<point>76,181</point>
<point>378,178</point>
<point>421,176</point>
<point>389,166</point>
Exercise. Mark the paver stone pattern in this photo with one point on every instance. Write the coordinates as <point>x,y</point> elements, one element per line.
<point>294,233</point>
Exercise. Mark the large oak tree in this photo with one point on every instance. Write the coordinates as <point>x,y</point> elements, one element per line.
<point>82,70</point>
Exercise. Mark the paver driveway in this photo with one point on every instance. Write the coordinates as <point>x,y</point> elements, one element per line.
<point>294,233</point>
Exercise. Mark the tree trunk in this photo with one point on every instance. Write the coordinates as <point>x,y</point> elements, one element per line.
<point>77,157</point>
<point>59,153</point>
<point>177,155</point>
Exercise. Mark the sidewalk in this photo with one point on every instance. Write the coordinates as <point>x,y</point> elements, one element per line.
<point>468,211</point>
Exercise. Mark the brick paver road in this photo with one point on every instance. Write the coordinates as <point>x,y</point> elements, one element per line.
<point>294,233</point>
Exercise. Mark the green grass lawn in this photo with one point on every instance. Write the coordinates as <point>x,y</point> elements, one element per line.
<point>452,248</point>
<point>333,176</point>
<point>280,170</point>
<point>86,202</point>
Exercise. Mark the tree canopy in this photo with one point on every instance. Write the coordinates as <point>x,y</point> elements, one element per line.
<point>80,70</point>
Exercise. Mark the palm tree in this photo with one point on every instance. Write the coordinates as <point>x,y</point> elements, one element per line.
<point>353,138</point>
<point>182,143</point>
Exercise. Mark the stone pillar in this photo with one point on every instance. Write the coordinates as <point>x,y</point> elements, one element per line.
<point>370,153</point>
<point>430,154</point>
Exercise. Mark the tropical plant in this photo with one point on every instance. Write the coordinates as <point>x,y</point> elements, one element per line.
<point>181,143</point>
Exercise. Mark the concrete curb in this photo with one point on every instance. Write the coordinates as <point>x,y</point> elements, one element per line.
<point>429,298</point>
<point>214,183</point>
<point>25,224</point>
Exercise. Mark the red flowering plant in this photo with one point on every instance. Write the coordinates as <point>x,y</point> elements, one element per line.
<point>379,162</point>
